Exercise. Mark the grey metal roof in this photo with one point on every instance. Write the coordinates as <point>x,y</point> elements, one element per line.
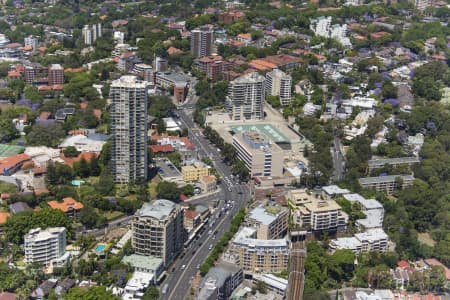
<point>393,161</point>
<point>158,209</point>
<point>381,179</point>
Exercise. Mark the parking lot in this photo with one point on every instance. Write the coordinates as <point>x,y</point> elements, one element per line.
<point>167,170</point>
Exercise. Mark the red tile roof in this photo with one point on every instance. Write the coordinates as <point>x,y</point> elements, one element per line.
<point>97,113</point>
<point>3,217</point>
<point>377,35</point>
<point>13,161</point>
<point>191,214</point>
<point>83,105</point>
<point>13,74</point>
<point>161,148</point>
<point>403,264</point>
<point>183,197</point>
<point>8,296</point>
<point>13,45</point>
<point>435,262</point>
<point>71,160</point>
<point>173,50</point>
<point>66,204</point>
<point>245,36</point>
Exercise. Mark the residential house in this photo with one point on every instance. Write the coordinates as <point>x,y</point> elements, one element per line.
<point>69,206</point>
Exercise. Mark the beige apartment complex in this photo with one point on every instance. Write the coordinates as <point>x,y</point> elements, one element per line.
<point>315,213</point>
<point>208,183</point>
<point>386,184</point>
<point>270,222</point>
<point>261,157</point>
<point>195,171</point>
<point>158,230</point>
<point>259,256</point>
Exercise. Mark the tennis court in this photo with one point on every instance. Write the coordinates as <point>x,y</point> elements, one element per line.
<point>267,129</point>
<point>8,150</point>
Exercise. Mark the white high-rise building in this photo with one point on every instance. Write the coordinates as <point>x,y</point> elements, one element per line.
<point>202,41</point>
<point>44,246</point>
<point>423,4</point>
<point>119,37</point>
<point>279,84</point>
<point>90,33</point>
<point>129,129</point>
<point>321,26</point>
<point>246,97</point>
<point>31,41</point>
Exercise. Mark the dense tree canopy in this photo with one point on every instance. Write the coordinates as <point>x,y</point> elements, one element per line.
<point>46,135</point>
<point>18,225</point>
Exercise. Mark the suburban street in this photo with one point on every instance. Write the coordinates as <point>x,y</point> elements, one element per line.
<point>182,271</point>
<point>338,159</point>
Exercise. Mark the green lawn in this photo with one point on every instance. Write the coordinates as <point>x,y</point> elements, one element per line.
<point>152,190</point>
<point>110,215</point>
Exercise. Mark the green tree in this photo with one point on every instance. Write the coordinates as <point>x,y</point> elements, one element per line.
<point>388,90</point>
<point>151,293</point>
<point>168,190</point>
<point>93,293</point>
<point>7,130</point>
<point>18,225</point>
<point>105,182</point>
<point>45,135</point>
<point>71,151</point>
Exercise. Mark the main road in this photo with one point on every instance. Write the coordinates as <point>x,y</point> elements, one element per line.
<point>232,197</point>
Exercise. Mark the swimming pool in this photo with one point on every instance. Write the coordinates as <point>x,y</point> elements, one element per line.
<point>100,248</point>
<point>77,182</point>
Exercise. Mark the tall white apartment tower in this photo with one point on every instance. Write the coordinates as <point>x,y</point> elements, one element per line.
<point>279,84</point>
<point>90,33</point>
<point>87,35</point>
<point>129,129</point>
<point>202,41</point>
<point>246,97</point>
<point>44,246</point>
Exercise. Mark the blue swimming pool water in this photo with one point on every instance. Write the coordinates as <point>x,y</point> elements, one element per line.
<point>77,182</point>
<point>100,248</point>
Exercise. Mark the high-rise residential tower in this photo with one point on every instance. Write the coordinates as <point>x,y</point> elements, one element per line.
<point>44,246</point>
<point>202,40</point>
<point>279,84</point>
<point>55,74</point>
<point>246,97</point>
<point>158,230</point>
<point>129,129</point>
<point>90,33</point>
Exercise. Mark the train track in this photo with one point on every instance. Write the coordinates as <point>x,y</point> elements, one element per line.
<point>296,271</point>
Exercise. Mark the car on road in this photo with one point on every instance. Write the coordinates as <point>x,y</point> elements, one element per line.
<point>164,289</point>
<point>198,266</point>
<point>210,247</point>
<point>183,267</point>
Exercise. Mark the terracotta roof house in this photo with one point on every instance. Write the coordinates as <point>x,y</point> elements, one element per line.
<point>8,296</point>
<point>69,205</point>
<point>158,149</point>
<point>12,164</point>
<point>3,217</point>
<point>172,50</point>
<point>88,156</point>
